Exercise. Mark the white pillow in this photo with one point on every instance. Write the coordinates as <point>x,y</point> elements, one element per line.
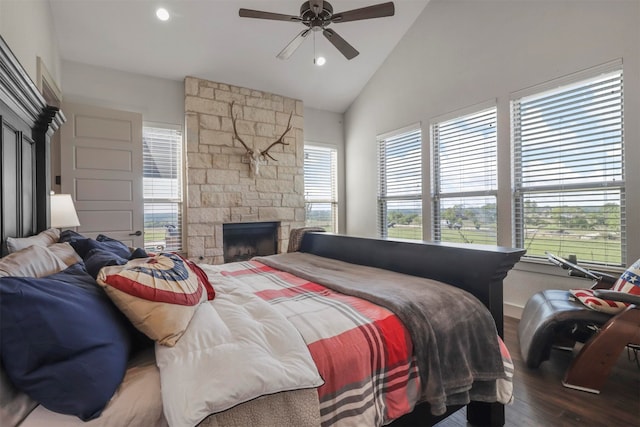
<point>33,261</point>
<point>65,252</point>
<point>44,238</point>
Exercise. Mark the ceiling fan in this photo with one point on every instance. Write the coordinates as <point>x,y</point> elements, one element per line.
<point>316,15</point>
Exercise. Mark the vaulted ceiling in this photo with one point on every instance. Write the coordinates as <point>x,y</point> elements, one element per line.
<point>207,39</point>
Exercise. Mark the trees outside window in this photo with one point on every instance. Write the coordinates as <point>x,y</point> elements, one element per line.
<point>321,187</point>
<point>162,180</point>
<point>465,181</point>
<point>568,170</point>
<point>400,184</point>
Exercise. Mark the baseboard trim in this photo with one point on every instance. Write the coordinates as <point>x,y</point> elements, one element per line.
<point>513,310</point>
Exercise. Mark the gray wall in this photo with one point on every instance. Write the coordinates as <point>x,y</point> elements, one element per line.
<point>462,53</point>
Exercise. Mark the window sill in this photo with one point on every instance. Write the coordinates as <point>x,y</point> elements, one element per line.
<point>540,266</point>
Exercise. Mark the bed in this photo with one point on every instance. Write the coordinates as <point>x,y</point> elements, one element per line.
<point>316,274</point>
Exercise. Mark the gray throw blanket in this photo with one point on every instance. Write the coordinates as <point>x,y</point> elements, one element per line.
<point>454,336</point>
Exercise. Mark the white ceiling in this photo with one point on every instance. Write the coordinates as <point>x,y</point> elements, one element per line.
<point>207,39</point>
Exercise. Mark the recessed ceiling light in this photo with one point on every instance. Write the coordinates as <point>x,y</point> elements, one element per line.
<point>162,14</point>
<point>320,61</point>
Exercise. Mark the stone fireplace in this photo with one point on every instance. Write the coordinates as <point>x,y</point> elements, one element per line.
<point>221,189</point>
<point>243,241</point>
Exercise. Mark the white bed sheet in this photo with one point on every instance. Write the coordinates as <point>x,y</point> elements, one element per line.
<point>136,403</point>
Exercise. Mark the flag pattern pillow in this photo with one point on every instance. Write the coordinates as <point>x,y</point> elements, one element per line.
<point>628,282</point>
<point>587,297</point>
<point>158,294</point>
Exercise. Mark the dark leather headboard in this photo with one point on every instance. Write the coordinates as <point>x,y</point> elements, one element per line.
<point>27,124</point>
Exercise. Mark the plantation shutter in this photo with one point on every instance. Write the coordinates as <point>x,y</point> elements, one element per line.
<point>568,169</point>
<point>162,177</point>
<point>320,187</point>
<point>400,181</point>
<point>465,178</point>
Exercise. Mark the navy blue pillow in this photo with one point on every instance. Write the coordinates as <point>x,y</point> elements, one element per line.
<point>136,253</point>
<point>116,247</point>
<point>139,253</point>
<point>95,259</point>
<point>62,341</point>
<point>68,236</point>
<point>105,238</point>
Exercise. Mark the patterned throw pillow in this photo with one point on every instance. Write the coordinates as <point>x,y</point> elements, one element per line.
<point>202,277</point>
<point>628,282</point>
<point>586,297</point>
<point>158,294</point>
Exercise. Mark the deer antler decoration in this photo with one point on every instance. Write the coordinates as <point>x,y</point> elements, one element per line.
<point>256,158</point>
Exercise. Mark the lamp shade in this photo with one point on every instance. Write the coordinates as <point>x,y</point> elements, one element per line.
<point>63,213</point>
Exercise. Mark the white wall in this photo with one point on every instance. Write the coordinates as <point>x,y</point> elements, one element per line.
<point>27,27</point>
<point>162,100</point>
<point>327,128</point>
<point>158,100</point>
<point>462,53</point>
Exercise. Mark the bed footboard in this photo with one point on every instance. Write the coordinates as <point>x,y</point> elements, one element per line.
<point>478,269</point>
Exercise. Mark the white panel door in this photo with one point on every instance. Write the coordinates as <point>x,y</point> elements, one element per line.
<point>101,165</point>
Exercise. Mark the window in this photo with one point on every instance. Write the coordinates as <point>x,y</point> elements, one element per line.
<point>320,187</point>
<point>400,185</point>
<point>162,177</point>
<point>465,180</point>
<point>568,170</point>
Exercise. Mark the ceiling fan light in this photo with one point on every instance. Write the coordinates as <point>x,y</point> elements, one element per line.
<point>316,15</point>
<point>320,61</point>
<point>162,14</point>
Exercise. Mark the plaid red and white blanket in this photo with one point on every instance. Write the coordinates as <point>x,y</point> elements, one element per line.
<point>362,350</point>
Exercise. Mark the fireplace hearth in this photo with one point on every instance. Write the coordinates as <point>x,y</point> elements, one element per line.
<point>242,241</point>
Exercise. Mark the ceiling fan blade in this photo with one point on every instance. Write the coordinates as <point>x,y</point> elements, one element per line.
<point>250,13</point>
<point>341,44</point>
<point>375,11</point>
<point>316,6</point>
<point>293,45</point>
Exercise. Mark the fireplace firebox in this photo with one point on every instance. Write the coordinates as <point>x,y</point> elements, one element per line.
<point>242,241</point>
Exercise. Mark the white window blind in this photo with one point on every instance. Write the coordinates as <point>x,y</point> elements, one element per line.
<point>465,178</point>
<point>321,187</point>
<point>400,185</point>
<point>568,171</point>
<point>162,177</point>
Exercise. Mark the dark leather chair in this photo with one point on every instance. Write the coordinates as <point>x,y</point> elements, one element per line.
<point>591,366</point>
<point>554,318</point>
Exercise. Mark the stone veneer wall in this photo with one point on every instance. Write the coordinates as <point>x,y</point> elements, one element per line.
<point>220,186</point>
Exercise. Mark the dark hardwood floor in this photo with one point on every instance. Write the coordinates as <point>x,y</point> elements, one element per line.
<point>542,401</point>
